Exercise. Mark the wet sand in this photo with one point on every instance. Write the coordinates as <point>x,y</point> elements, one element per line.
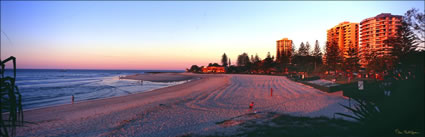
<point>192,107</point>
<point>160,77</point>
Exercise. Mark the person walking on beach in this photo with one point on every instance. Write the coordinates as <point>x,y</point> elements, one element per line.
<point>72,99</point>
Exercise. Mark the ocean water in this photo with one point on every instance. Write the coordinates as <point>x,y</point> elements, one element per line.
<point>50,87</point>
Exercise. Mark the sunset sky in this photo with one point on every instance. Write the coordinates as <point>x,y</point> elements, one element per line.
<point>167,35</point>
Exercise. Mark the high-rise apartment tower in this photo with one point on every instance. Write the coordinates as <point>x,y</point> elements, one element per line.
<point>373,33</point>
<point>346,36</point>
<point>284,47</point>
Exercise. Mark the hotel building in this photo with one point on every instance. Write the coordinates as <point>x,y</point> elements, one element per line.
<point>346,35</point>
<point>284,47</point>
<point>373,33</point>
<point>213,69</point>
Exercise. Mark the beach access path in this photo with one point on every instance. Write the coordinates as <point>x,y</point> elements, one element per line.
<point>192,107</point>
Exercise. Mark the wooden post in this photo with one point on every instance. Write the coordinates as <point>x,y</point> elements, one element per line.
<point>349,102</point>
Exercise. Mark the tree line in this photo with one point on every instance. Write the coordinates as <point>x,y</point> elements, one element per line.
<point>297,60</point>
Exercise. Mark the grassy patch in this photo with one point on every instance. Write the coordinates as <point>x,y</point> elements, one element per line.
<point>282,125</point>
<point>285,125</point>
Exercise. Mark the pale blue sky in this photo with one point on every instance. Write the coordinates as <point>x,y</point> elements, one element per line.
<point>179,33</point>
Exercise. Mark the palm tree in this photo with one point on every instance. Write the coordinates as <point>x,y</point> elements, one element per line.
<point>10,100</point>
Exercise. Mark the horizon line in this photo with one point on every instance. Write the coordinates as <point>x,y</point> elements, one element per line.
<point>96,69</point>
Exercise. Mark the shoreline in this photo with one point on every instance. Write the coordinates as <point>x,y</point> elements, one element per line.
<point>82,101</point>
<point>132,79</point>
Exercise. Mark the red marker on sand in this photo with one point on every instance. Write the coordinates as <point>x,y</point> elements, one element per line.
<point>251,105</point>
<point>271,91</point>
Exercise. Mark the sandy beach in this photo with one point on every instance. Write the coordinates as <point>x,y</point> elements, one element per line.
<point>192,107</point>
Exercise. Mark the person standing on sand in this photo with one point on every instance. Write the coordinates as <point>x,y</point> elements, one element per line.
<point>251,106</point>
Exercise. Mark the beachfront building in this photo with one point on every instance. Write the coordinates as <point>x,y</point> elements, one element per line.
<point>213,69</point>
<point>373,33</point>
<point>284,47</point>
<point>346,36</point>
